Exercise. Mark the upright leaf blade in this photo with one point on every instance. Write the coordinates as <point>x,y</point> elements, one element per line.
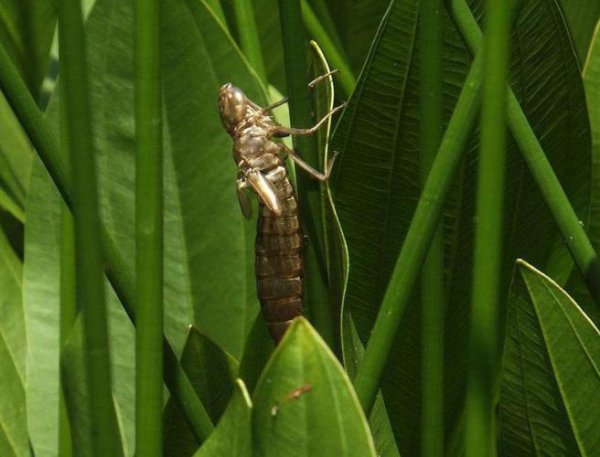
<point>233,435</point>
<point>550,400</point>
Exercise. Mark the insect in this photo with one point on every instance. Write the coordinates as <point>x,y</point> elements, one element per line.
<point>261,170</point>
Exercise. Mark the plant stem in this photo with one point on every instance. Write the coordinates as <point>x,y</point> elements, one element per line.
<point>432,290</point>
<point>90,286</point>
<point>148,230</point>
<point>484,333</point>
<point>420,233</point>
<point>295,48</point>
<point>334,55</point>
<point>554,195</point>
<point>120,277</point>
<point>249,40</point>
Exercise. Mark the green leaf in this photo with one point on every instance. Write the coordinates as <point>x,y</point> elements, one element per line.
<point>353,349</point>
<point>304,404</point>
<point>76,391</point>
<point>26,30</point>
<point>13,419</point>
<point>581,18</point>
<point>41,297</point>
<point>41,300</point>
<point>550,398</point>
<point>212,372</point>
<point>376,188</point>
<point>233,436</point>
<point>259,347</point>
<point>15,162</point>
<point>357,24</point>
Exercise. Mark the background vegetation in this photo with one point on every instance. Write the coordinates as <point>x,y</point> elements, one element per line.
<point>442,183</point>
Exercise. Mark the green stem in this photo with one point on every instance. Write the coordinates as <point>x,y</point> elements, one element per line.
<point>568,223</point>
<point>90,286</point>
<point>149,230</point>
<point>119,275</point>
<point>249,40</point>
<point>484,334</point>
<point>295,48</point>
<point>332,52</point>
<point>432,290</point>
<point>420,233</point>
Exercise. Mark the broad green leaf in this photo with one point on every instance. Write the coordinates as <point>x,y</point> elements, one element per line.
<point>15,162</point>
<point>304,404</point>
<point>581,17</point>
<point>208,266</point>
<point>233,434</point>
<point>550,398</point>
<point>212,373</point>
<point>376,184</point>
<point>41,298</point>
<point>13,418</point>
<point>26,31</point>
<point>208,263</point>
<point>76,391</point>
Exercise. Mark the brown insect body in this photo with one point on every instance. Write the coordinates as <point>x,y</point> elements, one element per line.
<point>279,241</point>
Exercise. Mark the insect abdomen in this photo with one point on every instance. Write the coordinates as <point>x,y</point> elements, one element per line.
<point>279,245</point>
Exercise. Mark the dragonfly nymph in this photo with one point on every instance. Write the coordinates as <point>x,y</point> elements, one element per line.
<point>261,170</point>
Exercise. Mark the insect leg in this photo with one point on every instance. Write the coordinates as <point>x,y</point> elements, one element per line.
<point>316,174</point>
<point>280,131</point>
<point>274,105</point>
<point>318,79</point>
<point>243,198</point>
<point>284,100</point>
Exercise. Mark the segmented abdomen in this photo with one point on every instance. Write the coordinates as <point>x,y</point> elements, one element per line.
<point>279,245</point>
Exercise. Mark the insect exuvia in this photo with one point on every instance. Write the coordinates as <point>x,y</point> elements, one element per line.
<point>261,169</point>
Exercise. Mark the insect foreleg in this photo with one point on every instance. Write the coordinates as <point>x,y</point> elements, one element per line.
<point>280,131</point>
<point>316,174</point>
<point>242,189</point>
<point>274,105</point>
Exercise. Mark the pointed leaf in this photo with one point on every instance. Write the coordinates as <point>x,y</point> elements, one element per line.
<point>233,436</point>
<point>550,399</point>
<point>304,404</point>
<point>212,372</point>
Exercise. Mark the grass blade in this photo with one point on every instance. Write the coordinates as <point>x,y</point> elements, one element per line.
<point>484,332</point>
<point>90,290</point>
<point>149,230</point>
